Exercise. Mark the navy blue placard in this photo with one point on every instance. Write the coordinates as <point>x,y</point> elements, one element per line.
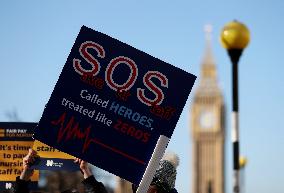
<point>111,103</point>
<point>56,164</point>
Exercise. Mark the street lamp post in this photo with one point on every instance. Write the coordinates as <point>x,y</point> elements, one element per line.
<point>235,37</point>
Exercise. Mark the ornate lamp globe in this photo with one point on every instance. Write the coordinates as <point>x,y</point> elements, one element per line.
<point>235,35</point>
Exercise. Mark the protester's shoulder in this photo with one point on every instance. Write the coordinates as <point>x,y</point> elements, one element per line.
<point>91,180</point>
<point>92,185</point>
<point>21,186</point>
<point>174,191</point>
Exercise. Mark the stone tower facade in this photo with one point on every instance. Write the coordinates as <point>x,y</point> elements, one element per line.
<point>208,128</point>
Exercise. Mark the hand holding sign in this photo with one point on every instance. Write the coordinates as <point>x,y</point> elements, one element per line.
<point>30,159</point>
<point>84,166</point>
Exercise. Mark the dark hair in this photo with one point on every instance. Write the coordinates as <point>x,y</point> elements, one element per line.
<point>70,191</point>
<point>135,187</point>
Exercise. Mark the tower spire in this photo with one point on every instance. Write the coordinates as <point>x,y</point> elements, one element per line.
<point>208,62</point>
<point>208,82</point>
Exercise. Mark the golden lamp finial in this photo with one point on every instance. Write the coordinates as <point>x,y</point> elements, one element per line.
<point>235,35</point>
<point>242,162</point>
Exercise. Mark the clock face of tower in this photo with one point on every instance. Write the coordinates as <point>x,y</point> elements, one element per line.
<point>207,119</point>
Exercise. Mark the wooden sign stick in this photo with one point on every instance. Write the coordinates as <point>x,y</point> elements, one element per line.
<point>153,164</point>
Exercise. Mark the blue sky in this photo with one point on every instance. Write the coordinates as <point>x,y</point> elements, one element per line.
<point>36,38</point>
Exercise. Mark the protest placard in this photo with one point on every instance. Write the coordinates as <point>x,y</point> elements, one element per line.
<point>15,141</point>
<point>111,104</point>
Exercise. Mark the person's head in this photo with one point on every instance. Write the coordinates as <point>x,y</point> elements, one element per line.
<point>165,176</point>
<point>70,191</point>
<point>152,189</point>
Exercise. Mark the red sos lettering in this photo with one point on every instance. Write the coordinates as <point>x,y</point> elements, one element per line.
<point>128,84</point>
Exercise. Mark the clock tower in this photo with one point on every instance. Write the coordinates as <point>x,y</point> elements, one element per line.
<point>208,128</point>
